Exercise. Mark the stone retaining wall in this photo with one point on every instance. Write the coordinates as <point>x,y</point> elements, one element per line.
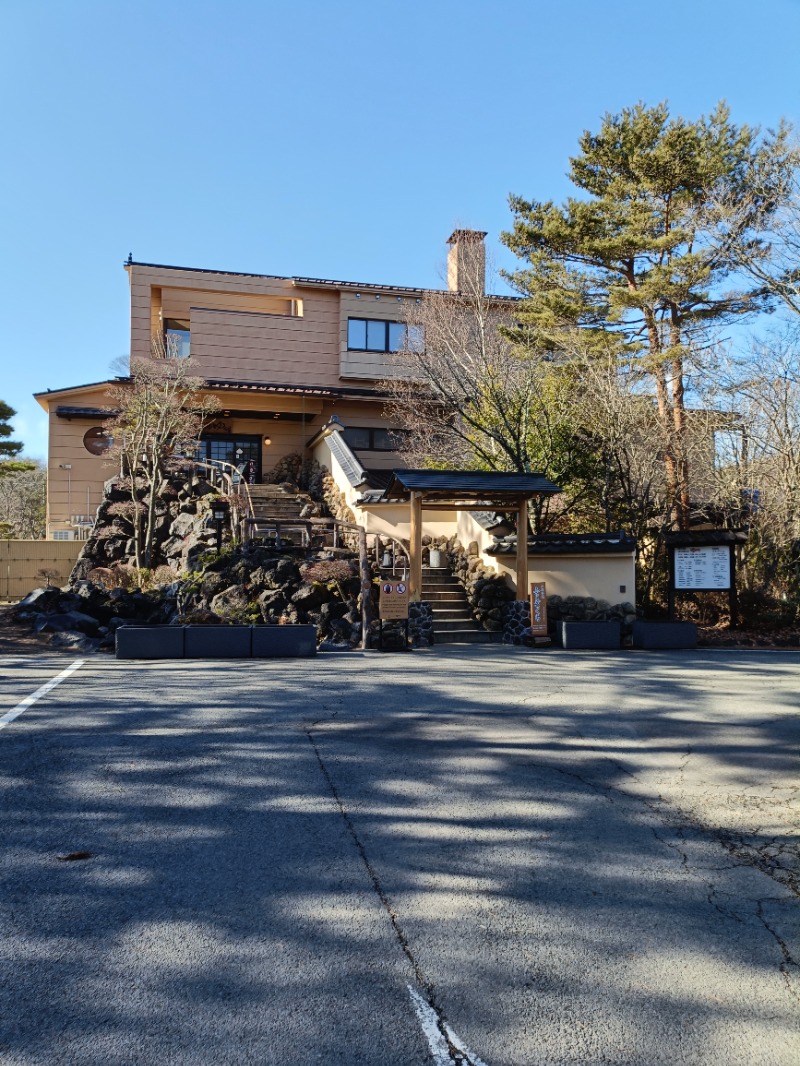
<point>565,609</point>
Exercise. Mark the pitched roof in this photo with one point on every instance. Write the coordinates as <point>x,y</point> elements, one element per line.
<point>698,538</point>
<point>477,484</point>
<point>568,544</point>
<point>300,282</point>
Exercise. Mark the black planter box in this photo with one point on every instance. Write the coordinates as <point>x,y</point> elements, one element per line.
<point>656,635</point>
<point>149,642</point>
<point>278,642</point>
<point>217,642</point>
<point>590,635</point>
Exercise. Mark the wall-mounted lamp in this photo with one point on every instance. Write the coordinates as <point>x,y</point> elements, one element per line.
<point>267,441</point>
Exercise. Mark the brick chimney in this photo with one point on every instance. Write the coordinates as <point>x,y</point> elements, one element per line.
<point>466,261</point>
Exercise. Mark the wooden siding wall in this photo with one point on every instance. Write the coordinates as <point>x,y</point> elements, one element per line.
<point>202,289</point>
<point>279,349</point>
<point>80,490</point>
<point>370,366</point>
<point>177,303</point>
<point>242,328</point>
<point>21,560</point>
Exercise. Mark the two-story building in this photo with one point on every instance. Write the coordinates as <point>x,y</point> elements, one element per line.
<point>296,364</point>
<point>282,355</point>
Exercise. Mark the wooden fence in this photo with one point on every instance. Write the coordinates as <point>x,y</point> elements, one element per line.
<point>22,563</point>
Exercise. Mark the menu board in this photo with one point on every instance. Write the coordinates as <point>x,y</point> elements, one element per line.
<point>703,568</point>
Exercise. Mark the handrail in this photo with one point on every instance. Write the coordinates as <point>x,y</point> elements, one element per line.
<point>218,466</point>
<point>405,548</point>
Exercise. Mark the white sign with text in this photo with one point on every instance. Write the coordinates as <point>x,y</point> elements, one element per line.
<point>703,568</point>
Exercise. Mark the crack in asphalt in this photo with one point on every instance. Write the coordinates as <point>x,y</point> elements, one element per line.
<point>712,899</point>
<point>753,855</point>
<point>789,967</point>
<point>457,1055</point>
<point>668,814</point>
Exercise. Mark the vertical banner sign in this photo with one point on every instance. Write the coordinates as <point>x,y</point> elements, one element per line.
<point>251,471</point>
<point>394,599</point>
<point>538,609</point>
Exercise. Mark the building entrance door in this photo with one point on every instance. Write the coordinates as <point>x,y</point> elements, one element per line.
<point>242,451</point>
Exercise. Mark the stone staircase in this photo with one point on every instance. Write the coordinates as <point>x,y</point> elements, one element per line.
<point>273,508</point>
<point>452,618</point>
<point>271,503</point>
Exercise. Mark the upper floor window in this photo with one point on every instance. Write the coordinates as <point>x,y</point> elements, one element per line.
<point>380,335</point>
<point>375,440</point>
<point>176,338</point>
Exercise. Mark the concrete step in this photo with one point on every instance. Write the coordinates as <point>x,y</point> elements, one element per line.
<point>276,515</point>
<point>466,636</point>
<point>445,625</point>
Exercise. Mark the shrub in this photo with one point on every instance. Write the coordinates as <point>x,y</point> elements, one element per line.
<point>330,572</point>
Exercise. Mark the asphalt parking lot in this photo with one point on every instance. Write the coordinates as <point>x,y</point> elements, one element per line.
<point>467,855</point>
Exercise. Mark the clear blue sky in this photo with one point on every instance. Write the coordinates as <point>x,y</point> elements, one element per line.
<point>338,140</point>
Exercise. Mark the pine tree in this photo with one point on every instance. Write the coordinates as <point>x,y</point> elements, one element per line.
<point>646,253</point>
<point>9,448</point>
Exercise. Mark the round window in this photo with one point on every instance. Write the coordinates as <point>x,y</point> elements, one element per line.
<point>97,441</point>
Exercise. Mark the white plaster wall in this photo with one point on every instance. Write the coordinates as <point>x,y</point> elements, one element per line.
<point>468,530</point>
<point>600,576</point>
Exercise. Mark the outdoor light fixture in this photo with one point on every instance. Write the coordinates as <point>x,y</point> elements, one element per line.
<point>267,441</point>
<point>219,512</point>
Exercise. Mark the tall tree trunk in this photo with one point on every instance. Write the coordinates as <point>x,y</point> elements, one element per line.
<point>666,415</point>
<point>679,420</point>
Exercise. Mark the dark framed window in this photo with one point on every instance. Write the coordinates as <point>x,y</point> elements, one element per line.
<point>242,451</point>
<point>176,338</point>
<point>382,335</point>
<point>371,440</point>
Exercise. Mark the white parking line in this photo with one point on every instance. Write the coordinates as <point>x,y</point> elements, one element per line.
<point>15,712</point>
<point>440,1036</point>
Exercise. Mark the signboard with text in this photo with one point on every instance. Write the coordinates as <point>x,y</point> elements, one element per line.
<point>703,568</point>
<point>538,609</point>
<point>393,599</point>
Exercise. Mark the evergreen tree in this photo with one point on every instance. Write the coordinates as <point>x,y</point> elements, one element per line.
<point>646,253</point>
<point>9,448</point>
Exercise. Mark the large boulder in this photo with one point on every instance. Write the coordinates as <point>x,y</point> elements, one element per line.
<point>39,600</point>
<point>310,595</point>
<point>70,621</point>
<point>72,640</point>
<point>272,603</point>
<point>232,601</point>
<point>183,525</point>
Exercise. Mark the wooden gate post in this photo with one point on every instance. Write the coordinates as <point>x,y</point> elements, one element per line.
<point>415,549</point>
<point>522,549</point>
